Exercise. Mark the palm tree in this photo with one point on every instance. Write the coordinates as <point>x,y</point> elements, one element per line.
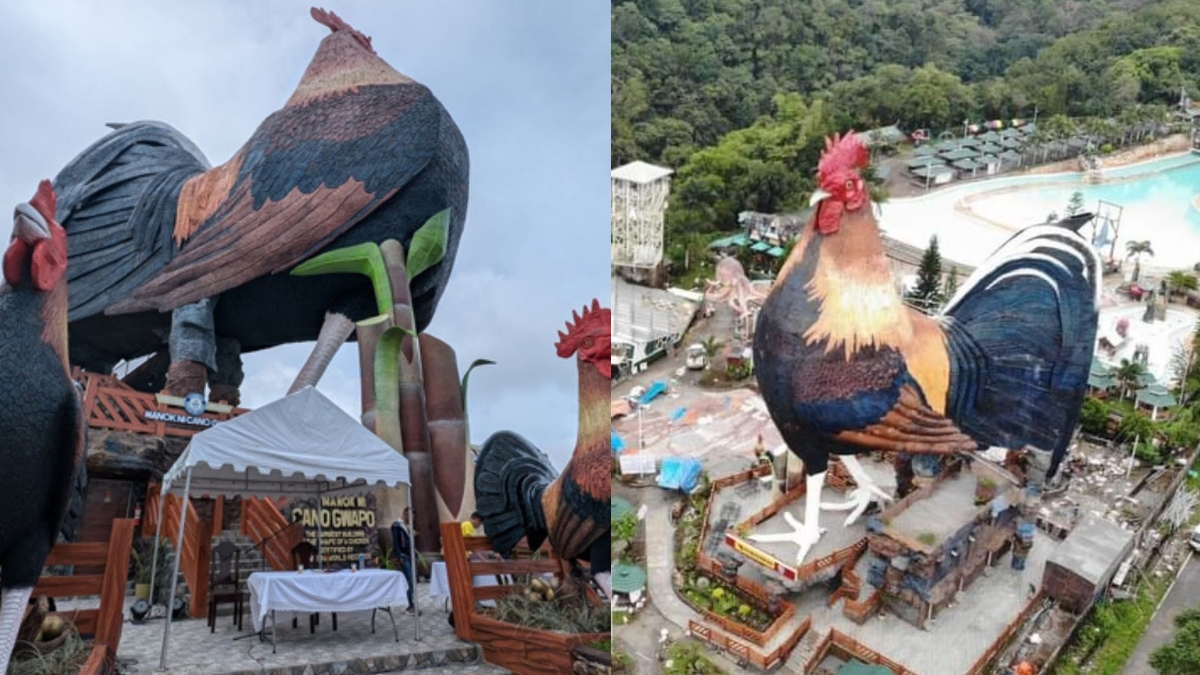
<point>1179,281</point>
<point>1135,249</point>
<point>1128,376</point>
<point>712,347</point>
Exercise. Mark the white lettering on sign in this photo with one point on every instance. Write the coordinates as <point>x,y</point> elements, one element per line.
<point>180,419</point>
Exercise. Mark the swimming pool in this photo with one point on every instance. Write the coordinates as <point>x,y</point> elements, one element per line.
<point>972,220</point>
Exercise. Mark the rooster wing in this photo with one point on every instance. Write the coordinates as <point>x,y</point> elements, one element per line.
<point>1021,334</point>
<point>306,176</point>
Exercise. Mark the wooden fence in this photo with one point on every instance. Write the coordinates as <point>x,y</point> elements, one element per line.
<point>524,651</point>
<point>985,659</point>
<point>194,559</point>
<point>111,404</point>
<point>746,653</point>
<point>264,524</point>
<point>102,625</point>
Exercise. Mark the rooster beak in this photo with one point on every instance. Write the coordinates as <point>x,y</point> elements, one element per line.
<point>818,197</point>
<point>28,225</point>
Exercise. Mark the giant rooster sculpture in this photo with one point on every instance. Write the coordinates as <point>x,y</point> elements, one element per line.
<point>845,367</point>
<point>41,423</point>
<point>516,491</point>
<point>359,153</point>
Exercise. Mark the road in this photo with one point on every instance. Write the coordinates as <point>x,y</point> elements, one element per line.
<point>1181,596</point>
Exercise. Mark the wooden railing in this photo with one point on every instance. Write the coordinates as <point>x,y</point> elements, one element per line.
<point>197,545</point>
<point>112,404</point>
<point>852,647</point>
<point>985,659</point>
<point>522,650</point>
<point>748,653</point>
<point>102,625</point>
<point>265,525</point>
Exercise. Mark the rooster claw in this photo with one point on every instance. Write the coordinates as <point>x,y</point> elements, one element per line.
<point>804,536</point>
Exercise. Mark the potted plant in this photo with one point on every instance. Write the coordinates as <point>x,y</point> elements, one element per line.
<point>142,557</point>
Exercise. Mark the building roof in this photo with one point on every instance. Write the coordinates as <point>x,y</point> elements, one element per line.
<point>775,251</point>
<point>739,239</point>
<point>760,247</point>
<point>1010,156</point>
<point>931,171</point>
<point>881,136</point>
<point>961,153</point>
<point>991,149</point>
<point>1156,396</point>
<point>988,159</point>
<point>925,150</point>
<point>1094,549</point>
<point>923,161</point>
<point>640,172</point>
<point>967,164</point>
<point>1100,376</point>
<point>642,314</point>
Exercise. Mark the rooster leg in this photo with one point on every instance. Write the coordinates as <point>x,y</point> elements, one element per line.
<point>12,610</point>
<point>864,492</point>
<point>806,534</point>
<point>193,346</point>
<point>334,333</point>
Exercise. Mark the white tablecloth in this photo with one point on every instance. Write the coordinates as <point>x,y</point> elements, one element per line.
<point>439,583</point>
<point>320,592</point>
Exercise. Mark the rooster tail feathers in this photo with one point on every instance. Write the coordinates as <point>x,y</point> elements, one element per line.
<point>1021,333</point>
<point>511,475</point>
<point>116,200</point>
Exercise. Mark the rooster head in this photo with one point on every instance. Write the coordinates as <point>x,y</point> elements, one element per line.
<point>335,23</point>
<point>38,250</point>
<point>590,336</point>
<point>840,187</point>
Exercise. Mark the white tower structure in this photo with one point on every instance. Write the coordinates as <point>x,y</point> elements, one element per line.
<point>639,199</point>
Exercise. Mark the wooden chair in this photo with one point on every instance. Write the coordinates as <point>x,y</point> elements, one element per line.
<point>225,583</point>
<point>305,554</point>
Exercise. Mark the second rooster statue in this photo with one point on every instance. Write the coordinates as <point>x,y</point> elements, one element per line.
<point>845,367</point>
<point>516,491</point>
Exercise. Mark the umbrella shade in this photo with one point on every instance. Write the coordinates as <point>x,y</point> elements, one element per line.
<point>988,160</point>
<point>931,171</point>
<point>990,149</point>
<point>967,165</point>
<point>1010,156</point>
<point>628,578</point>
<point>925,150</point>
<point>1011,143</point>
<point>990,137</point>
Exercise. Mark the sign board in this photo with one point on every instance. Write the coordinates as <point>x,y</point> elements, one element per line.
<point>175,418</point>
<point>640,464</point>
<point>761,557</point>
<point>348,525</point>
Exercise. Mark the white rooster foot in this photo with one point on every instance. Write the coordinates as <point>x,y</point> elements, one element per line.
<point>859,499</point>
<point>803,535</point>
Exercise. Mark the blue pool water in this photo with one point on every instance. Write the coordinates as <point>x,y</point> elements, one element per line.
<point>972,219</point>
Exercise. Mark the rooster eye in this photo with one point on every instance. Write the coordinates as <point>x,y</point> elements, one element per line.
<point>587,344</point>
<point>849,186</point>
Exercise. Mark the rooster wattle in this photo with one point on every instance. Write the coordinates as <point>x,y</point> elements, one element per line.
<point>845,367</point>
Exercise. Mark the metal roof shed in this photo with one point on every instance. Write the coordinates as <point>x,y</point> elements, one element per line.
<point>1080,570</point>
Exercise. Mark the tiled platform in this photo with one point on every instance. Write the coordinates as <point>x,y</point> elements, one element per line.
<point>353,649</point>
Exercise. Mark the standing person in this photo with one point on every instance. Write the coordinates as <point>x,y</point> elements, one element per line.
<point>402,545</point>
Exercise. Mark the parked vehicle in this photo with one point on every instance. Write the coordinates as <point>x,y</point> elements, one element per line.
<point>696,358</point>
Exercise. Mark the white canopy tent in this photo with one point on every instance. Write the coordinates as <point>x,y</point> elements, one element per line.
<point>300,445</point>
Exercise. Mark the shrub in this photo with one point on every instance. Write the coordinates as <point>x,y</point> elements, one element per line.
<point>1094,416</point>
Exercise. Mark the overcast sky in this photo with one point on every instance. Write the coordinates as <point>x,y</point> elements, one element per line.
<point>527,82</point>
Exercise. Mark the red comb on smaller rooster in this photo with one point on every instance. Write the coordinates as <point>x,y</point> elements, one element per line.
<point>589,334</point>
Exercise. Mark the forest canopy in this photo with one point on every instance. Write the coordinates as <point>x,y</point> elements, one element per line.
<point>688,72</point>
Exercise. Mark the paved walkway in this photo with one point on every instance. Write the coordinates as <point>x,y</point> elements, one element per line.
<point>1182,596</point>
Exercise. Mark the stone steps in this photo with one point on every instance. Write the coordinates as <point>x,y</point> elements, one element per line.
<point>803,652</point>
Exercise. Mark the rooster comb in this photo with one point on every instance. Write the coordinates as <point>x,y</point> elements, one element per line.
<point>593,318</point>
<point>336,24</point>
<point>842,153</point>
<point>44,200</point>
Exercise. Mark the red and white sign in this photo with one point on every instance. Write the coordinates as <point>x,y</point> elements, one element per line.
<point>761,557</point>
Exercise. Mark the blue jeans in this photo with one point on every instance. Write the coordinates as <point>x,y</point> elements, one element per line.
<point>406,569</point>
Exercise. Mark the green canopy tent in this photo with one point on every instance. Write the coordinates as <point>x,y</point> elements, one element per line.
<point>760,247</point>
<point>619,508</point>
<point>856,667</point>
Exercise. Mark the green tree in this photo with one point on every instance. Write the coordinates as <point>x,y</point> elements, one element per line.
<point>1128,375</point>
<point>927,295</point>
<point>1180,282</point>
<point>1075,204</point>
<point>950,287</point>
<point>1094,416</point>
<point>1135,250</point>
<point>712,347</point>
